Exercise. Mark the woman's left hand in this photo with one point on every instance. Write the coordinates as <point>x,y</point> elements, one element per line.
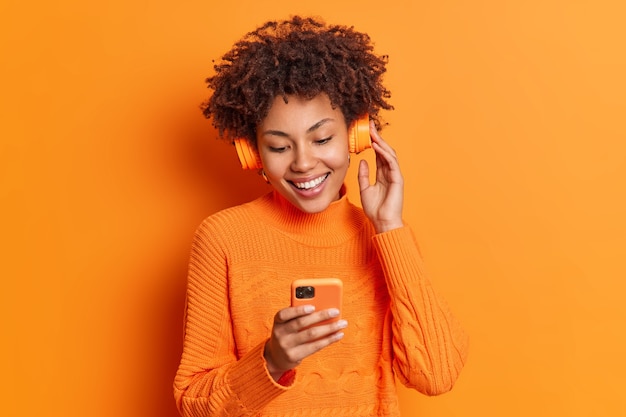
<point>383,200</point>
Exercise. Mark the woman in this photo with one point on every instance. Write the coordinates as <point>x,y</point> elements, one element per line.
<point>292,90</point>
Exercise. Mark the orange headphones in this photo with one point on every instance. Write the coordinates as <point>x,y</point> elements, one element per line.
<point>358,140</point>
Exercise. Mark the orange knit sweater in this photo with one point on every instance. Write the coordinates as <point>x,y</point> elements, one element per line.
<point>243,260</point>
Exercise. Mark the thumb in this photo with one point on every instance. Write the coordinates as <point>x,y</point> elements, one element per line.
<point>364,175</point>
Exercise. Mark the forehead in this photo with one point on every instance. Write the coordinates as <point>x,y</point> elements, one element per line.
<point>299,113</point>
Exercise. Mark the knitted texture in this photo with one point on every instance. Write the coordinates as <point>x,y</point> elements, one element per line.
<point>242,263</point>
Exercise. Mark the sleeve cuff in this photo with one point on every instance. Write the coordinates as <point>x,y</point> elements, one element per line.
<point>252,382</point>
<point>399,256</point>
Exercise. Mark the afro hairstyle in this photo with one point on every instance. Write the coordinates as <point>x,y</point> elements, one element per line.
<point>300,56</point>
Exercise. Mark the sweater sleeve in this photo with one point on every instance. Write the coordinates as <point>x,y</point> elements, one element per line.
<point>211,380</point>
<point>429,345</point>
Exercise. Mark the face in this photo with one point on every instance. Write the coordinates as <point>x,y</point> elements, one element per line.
<point>303,146</point>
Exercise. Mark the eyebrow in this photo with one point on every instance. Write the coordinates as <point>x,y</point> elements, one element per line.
<point>309,130</point>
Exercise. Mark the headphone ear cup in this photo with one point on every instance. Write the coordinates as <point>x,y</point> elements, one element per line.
<point>248,156</point>
<point>359,135</point>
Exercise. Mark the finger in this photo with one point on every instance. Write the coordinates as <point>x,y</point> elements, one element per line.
<point>378,141</point>
<point>319,331</point>
<point>387,165</point>
<point>316,338</point>
<point>285,346</point>
<point>290,313</point>
<point>314,319</point>
<point>304,351</point>
<point>385,151</point>
<point>384,147</point>
<point>294,356</point>
<point>385,154</point>
<point>375,134</point>
<point>364,175</point>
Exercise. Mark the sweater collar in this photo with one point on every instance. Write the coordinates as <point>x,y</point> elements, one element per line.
<point>340,221</point>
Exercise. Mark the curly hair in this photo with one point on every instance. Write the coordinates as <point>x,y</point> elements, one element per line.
<point>302,57</point>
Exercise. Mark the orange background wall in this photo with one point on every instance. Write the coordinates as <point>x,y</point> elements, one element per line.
<point>510,124</point>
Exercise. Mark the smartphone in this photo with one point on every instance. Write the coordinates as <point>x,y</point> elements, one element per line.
<point>322,293</point>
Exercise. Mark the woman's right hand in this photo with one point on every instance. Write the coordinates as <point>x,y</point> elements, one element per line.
<point>291,341</point>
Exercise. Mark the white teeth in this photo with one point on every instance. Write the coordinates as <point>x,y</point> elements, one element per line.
<point>310,184</point>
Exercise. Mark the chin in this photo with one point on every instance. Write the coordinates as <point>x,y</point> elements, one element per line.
<point>329,193</point>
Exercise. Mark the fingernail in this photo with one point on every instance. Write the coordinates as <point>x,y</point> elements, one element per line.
<point>309,309</point>
<point>339,335</point>
<point>342,324</point>
<point>333,312</point>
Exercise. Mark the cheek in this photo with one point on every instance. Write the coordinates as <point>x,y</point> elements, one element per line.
<point>339,160</point>
<point>273,171</point>
<point>272,164</point>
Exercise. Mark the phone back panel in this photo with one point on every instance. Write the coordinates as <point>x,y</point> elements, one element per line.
<point>328,293</point>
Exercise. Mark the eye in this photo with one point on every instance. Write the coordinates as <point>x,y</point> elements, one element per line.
<point>323,141</point>
<point>277,149</point>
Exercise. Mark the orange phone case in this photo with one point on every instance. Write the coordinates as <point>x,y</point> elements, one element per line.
<point>328,294</point>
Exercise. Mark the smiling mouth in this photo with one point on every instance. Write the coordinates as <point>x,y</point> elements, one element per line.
<point>310,184</point>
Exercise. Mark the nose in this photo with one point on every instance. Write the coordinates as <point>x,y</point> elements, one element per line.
<point>303,159</point>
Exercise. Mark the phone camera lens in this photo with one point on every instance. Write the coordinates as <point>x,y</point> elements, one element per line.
<point>305,292</point>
